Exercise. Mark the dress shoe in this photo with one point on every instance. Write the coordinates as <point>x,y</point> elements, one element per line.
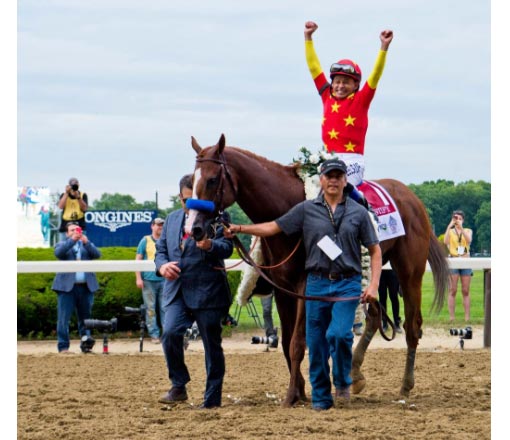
<point>175,394</point>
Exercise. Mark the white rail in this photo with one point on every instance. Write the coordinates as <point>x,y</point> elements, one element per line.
<point>147,265</point>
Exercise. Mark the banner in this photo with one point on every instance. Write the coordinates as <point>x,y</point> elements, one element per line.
<point>118,228</point>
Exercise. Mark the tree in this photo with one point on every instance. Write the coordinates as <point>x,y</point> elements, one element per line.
<point>443,197</point>
<point>115,202</point>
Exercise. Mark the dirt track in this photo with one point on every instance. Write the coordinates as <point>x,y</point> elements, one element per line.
<point>114,396</point>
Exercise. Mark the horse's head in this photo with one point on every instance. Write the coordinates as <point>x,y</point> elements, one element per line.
<point>214,188</point>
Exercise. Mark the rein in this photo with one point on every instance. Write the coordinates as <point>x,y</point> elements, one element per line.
<point>374,310</point>
<point>246,257</point>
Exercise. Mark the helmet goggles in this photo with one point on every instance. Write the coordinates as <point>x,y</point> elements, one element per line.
<point>342,68</point>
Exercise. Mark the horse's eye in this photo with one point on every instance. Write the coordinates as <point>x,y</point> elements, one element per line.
<point>212,182</point>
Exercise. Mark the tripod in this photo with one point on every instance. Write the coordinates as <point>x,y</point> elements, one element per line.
<point>142,311</point>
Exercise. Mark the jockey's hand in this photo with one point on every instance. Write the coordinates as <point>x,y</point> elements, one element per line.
<point>310,28</point>
<point>386,37</point>
<point>369,295</point>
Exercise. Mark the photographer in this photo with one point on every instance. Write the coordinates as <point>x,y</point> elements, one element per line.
<point>75,290</point>
<point>73,204</point>
<point>458,239</point>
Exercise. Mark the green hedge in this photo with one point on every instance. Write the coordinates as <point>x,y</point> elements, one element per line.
<point>37,303</point>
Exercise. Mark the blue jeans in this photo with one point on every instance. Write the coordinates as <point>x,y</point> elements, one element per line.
<point>152,294</point>
<point>81,299</point>
<point>329,334</point>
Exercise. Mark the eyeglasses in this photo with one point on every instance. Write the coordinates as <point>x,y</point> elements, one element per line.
<point>342,68</point>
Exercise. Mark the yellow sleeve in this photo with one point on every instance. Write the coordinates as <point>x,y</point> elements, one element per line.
<point>376,74</point>
<point>312,59</point>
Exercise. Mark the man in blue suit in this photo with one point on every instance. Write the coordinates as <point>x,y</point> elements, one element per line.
<point>75,290</point>
<point>194,290</point>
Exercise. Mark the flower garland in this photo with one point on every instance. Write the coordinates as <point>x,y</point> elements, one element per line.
<point>310,164</point>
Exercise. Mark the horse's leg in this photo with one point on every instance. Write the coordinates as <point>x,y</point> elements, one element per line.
<point>358,379</point>
<point>293,344</point>
<point>411,289</point>
<point>371,325</point>
<point>296,390</point>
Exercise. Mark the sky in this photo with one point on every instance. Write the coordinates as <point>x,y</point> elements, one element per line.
<point>111,91</point>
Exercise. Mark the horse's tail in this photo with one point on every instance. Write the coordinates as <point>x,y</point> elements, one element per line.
<point>440,271</point>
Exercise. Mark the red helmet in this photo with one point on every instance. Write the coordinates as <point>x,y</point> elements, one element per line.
<point>347,68</point>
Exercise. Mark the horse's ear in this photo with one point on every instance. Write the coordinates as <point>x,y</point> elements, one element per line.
<point>195,145</point>
<point>221,143</point>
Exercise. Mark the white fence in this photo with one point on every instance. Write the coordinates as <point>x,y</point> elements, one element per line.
<point>147,265</point>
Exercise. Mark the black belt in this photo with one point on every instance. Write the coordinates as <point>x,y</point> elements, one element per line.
<point>334,276</point>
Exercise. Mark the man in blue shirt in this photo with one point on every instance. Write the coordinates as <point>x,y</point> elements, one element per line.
<point>333,228</point>
<point>150,283</point>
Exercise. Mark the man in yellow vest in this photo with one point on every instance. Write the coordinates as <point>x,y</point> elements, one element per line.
<point>150,283</point>
<point>73,204</point>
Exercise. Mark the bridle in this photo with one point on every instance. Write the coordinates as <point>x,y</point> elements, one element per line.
<point>220,189</point>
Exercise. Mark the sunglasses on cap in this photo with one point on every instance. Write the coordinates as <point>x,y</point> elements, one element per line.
<point>342,68</point>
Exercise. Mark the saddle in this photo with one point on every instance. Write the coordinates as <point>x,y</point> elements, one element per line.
<point>389,223</point>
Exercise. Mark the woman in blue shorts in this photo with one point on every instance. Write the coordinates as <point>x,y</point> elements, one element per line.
<point>458,240</point>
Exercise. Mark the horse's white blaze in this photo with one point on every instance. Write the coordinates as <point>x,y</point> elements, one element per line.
<point>196,179</point>
<point>192,215</point>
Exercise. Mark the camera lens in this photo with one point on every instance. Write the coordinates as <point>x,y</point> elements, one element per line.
<point>74,187</point>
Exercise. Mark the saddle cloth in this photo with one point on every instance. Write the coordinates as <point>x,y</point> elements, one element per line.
<point>389,224</point>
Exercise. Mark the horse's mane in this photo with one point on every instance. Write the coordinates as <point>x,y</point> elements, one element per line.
<point>292,169</point>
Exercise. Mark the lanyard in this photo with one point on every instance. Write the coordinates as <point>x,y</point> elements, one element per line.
<point>332,219</point>
<point>459,236</point>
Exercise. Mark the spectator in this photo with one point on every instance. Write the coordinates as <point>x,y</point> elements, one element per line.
<point>75,290</point>
<point>265,290</point>
<point>458,240</point>
<point>194,290</point>
<point>73,204</point>
<point>44,212</point>
<point>389,286</point>
<point>150,283</point>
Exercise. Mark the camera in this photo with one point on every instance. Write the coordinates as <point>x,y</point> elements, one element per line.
<point>464,333</point>
<point>105,326</point>
<point>87,343</point>
<point>75,187</point>
<point>271,341</point>
<point>141,310</point>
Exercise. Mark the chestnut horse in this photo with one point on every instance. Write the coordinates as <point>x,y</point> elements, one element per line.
<point>265,190</point>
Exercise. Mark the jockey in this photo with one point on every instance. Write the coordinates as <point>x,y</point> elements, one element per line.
<point>345,117</point>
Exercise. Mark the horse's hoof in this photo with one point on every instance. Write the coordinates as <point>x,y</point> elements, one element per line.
<point>358,386</point>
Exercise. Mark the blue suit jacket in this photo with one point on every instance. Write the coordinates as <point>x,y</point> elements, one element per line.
<point>201,284</point>
<point>64,281</point>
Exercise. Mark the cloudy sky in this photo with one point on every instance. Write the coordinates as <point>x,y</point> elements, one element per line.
<point>110,91</point>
